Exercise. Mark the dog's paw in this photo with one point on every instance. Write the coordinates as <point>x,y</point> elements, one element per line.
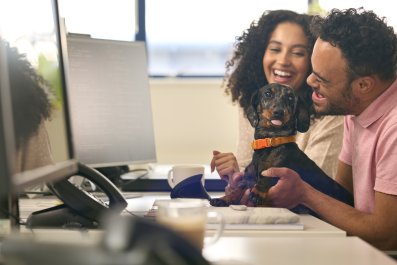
<point>218,202</point>
<point>254,199</point>
<point>259,198</point>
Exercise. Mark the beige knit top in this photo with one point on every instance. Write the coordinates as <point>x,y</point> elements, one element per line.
<point>321,143</point>
<point>34,154</point>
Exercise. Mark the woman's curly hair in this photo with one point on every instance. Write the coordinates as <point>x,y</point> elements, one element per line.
<point>367,43</point>
<point>244,71</point>
<point>30,99</point>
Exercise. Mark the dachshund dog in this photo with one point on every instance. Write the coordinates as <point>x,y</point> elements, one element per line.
<point>277,113</point>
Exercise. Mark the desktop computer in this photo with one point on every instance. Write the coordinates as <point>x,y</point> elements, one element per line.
<point>110,102</point>
<point>35,144</point>
<point>37,147</point>
<point>111,112</point>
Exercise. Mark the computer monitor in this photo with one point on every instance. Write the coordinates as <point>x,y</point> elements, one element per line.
<point>110,102</point>
<point>35,135</point>
<point>7,197</point>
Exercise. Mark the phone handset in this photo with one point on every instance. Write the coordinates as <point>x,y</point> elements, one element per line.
<point>85,203</point>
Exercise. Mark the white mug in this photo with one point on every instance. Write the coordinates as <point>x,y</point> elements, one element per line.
<point>189,218</point>
<point>179,173</point>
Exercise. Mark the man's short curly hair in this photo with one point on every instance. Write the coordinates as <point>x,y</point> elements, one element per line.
<point>244,71</point>
<point>365,40</point>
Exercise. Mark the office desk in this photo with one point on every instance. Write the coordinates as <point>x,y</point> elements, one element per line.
<point>319,243</point>
<point>140,203</point>
<point>295,250</point>
<point>313,227</point>
<point>255,250</point>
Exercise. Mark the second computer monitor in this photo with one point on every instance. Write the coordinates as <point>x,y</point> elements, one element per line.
<point>110,102</point>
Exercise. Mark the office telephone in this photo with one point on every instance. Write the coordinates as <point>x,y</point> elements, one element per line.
<point>80,208</point>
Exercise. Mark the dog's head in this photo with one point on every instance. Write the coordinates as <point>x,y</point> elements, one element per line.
<point>276,110</point>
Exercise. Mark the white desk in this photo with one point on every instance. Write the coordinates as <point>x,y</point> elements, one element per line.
<point>319,243</point>
<point>313,227</point>
<point>257,251</point>
<point>295,250</point>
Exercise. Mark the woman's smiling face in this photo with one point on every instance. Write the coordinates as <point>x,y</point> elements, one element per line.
<point>286,59</point>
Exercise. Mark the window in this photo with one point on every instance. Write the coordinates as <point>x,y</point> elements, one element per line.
<point>102,19</point>
<point>195,38</point>
<point>184,38</point>
<point>188,38</point>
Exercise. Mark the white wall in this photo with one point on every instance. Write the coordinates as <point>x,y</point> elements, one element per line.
<point>191,118</point>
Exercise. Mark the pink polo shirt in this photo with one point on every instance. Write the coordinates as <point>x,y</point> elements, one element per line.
<point>370,147</point>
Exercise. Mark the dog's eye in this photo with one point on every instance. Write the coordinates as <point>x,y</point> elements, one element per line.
<point>268,94</point>
<point>291,98</point>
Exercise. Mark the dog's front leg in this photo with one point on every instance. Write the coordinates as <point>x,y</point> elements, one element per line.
<point>235,193</point>
<point>258,195</point>
<point>232,196</point>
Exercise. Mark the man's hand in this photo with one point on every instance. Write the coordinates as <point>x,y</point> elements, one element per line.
<point>225,164</point>
<point>289,190</point>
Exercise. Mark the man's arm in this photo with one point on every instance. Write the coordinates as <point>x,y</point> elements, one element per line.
<point>378,228</point>
<point>344,176</point>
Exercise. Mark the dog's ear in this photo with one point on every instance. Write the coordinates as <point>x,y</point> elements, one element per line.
<point>252,114</point>
<point>302,116</point>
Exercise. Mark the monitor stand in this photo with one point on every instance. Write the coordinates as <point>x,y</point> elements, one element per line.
<point>114,173</point>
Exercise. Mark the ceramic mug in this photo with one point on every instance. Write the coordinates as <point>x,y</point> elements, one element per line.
<point>189,218</point>
<point>179,173</point>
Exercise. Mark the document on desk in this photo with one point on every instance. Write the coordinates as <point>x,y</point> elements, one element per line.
<point>251,218</point>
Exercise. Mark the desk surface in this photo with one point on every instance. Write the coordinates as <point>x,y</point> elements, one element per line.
<point>312,226</point>
<point>140,203</point>
<point>318,243</point>
<point>258,251</point>
<point>295,250</point>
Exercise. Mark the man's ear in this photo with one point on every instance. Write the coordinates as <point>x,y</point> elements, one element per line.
<point>252,113</point>
<point>364,85</point>
<point>302,116</point>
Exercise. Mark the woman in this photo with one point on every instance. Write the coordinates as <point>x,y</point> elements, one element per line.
<point>276,49</point>
<point>31,106</point>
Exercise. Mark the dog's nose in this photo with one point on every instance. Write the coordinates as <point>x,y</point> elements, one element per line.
<point>278,113</point>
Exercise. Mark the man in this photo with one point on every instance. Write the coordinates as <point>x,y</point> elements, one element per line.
<point>354,74</point>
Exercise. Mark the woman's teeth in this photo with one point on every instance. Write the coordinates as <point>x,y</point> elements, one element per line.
<point>282,73</point>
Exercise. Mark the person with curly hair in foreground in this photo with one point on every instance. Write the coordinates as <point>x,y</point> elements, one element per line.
<point>32,106</point>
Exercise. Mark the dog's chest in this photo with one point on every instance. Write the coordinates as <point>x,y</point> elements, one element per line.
<point>281,156</point>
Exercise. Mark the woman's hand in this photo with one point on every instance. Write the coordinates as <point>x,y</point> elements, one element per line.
<point>233,186</point>
<point>225,164</point>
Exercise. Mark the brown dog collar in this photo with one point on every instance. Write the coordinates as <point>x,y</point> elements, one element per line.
<point>272,142</point>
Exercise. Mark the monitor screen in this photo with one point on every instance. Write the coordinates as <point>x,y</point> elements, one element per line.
<point>34,109</point>
<point>110,102</point>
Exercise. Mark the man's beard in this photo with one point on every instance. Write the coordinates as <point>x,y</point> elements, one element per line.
<point>346,107</point>
<point>333,110</point>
